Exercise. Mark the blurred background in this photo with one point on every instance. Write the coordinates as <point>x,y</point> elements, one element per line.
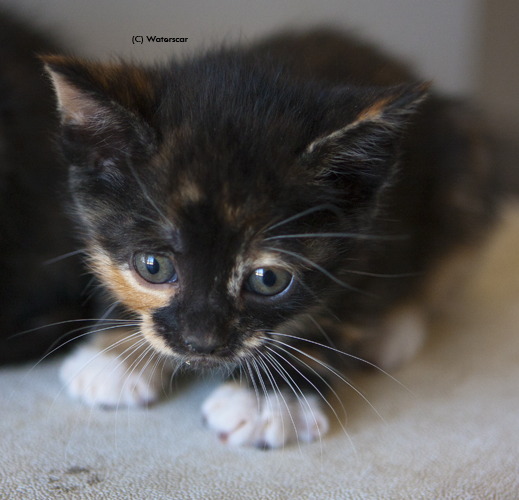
<point>468,47</point>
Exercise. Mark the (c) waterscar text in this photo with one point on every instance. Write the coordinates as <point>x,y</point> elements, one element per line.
<point>161,39</point>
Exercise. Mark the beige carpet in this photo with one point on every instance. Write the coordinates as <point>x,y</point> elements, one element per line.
<point>455,437</point>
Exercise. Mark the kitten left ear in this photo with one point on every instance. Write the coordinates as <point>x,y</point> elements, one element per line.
<point>362,154</point>
<point>90,90</point>
<point>106,111</point>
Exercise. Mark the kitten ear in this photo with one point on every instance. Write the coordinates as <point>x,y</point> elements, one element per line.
<point>106,110</point>
<point>361,156</point>
<point>87,90</point>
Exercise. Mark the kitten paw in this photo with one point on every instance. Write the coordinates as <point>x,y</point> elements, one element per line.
<point>104,379</point>
<point>240,418</point>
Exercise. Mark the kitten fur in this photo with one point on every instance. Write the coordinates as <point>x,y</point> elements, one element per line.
<point>33,227</point>
<point>310,155</point>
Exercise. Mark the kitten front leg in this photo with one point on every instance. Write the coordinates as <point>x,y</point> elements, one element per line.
<point>115,369</point>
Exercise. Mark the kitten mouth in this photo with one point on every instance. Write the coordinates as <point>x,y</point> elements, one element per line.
<point>209,360</point>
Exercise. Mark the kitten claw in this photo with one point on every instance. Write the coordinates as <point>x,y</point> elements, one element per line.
<point>241,419</point>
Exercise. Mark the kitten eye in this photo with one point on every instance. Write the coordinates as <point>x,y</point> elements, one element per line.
<point>267,281</point>
<point>155,268</point>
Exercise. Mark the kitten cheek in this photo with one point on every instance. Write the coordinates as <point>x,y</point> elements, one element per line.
<point>155,340</point>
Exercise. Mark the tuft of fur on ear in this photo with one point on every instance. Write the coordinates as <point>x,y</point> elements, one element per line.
<point>106,109</point>
<point>363,153</point>
<point>86,90</point>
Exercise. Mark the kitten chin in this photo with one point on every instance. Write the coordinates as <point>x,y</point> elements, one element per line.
<point>256,209</point>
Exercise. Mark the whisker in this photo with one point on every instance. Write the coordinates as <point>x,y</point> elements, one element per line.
<point>324,206</point>
<point>381,275</point>
<point>300,401</point>
<point>50,325</point>
<point>146,195</point>
<point>107,324</point>
<point>322,269</point>
<point>321,301</point>
<point>64,256</point>
<point>134,364</point>
<point>177,368</point>
<point>319,392</point>
<point>267,398</point>
<point>112,346</point>
<point>318,375</point>
<point>335,372</point>
<point>103,351</point>
<point>323,332</point>
<point>260,378</point>
<point>110,310</point>
<point>164,358</point>
<point>344,354</point>
<point>274,385</point>
<point>132,348</point>
<point>273,362</point>
<point>54,350</point>
<point>254,384</point>
<point>356,236</point>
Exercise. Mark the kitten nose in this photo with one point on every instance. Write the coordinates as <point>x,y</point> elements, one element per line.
<point>202,344</point>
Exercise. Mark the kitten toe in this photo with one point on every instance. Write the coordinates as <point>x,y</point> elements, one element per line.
<point>240,418</point>
<point>108,380</point>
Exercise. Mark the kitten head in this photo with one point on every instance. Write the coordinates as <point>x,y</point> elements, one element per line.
<point>209,192</point>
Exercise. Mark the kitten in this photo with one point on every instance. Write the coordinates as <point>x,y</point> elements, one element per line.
<point>264,208</point>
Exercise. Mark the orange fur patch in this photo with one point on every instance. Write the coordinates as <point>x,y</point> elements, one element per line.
<point>375,110</point>
<point>132,291</point>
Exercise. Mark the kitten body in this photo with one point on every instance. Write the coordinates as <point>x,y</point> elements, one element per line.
<point>34,294</point>
<point>262,208</point>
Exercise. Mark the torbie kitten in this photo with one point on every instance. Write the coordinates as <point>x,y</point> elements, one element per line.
<point>264,208</point>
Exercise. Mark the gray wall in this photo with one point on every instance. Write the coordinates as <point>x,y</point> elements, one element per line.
<point>498,83</point>
<point>440,37</point>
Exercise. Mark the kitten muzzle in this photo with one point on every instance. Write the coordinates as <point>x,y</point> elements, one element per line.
<point>204,345</point>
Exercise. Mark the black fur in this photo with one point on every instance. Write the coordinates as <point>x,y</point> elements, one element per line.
<point>33,228</point>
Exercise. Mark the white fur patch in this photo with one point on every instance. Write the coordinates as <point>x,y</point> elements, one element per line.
<point>108,380</point>
<point>403,335</point>
<point>239,419</point>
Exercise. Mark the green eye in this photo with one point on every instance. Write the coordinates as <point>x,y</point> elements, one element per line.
<point>155,268</point>
<point>268,281</point>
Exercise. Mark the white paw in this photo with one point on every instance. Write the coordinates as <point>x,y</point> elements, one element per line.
<point>108,380</point>
<point>232,411</point>
<point>403,335</point>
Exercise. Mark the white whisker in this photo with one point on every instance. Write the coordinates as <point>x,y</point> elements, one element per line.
<point>334,371</point>
<point>324,206</point>
<point>318,392</point>
<point>344,354</point>
<point>320,268</point>
<point>64,256</point>
<point>339,235</point>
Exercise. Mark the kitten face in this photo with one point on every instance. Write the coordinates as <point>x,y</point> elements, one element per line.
<point>193,185</point>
